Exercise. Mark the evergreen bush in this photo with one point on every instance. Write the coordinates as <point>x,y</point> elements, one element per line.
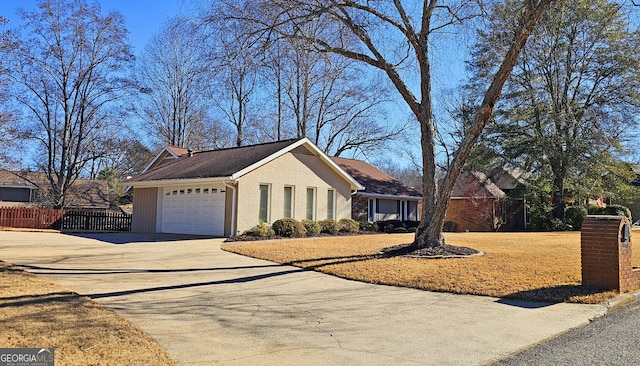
<point>348,226</point>
<point>313,228</point>
<point>328,226</point>
<point>261,230</point>
<point>574,216</point>
<point>289,228</point>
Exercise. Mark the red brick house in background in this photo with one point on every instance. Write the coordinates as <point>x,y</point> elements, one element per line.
<point>383,197</point>
<point>30,189</point>
<point>488,202</point>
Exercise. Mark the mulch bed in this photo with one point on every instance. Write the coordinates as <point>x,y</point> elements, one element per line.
<point>445,251</point>
<point>278,237</point>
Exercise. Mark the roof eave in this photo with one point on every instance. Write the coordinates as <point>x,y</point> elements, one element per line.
<point>477,197</point>
<point>18,185</point>
<point>173,182</point>
<point>394,196</point>
<point>167,150</point>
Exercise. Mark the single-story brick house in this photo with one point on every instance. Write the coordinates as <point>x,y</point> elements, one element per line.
<point>228,191</point>
<point>488,202</point>
<point>383,197</point>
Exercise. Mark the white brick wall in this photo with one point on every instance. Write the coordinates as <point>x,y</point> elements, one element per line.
<point>297,170</point>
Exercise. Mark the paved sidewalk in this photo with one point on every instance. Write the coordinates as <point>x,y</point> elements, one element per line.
<point>206,306</point>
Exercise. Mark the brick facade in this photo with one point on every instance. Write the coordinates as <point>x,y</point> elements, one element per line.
<point>359,208</point>
<point>606,259</point>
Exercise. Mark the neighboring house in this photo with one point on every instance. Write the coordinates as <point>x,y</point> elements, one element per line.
<point>488,202</point>
<point>30,189</point>
<point>383,197</point>
<point>15,189</point>
<point>227,191</point>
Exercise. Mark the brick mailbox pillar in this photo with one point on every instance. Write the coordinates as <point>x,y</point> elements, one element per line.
<point>606,254</point>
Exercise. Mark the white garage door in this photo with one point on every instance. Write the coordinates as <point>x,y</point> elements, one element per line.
<point>193,210</point>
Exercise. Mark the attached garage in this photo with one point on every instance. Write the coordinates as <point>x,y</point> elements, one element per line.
<point>193,210</point>
<point>218,192</point>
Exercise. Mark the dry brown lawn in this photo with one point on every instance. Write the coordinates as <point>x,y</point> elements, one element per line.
<point>531,266</point>
<point>38,313</point>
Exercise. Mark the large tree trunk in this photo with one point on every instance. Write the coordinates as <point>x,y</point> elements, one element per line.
<point>558,197</point>
<point>436,197</point>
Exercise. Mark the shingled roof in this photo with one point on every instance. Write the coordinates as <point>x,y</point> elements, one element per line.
<point>476,184</point>
<point>213,163</point>
<point>375,181</point>
<point>230,163</point>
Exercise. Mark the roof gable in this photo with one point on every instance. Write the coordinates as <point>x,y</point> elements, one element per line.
<point>375,181</point>
<point>508,179</point>
<point>475,184</point>
<point>167,154</point>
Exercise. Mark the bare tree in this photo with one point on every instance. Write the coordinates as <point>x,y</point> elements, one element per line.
<point>273,66</point>
<point>237,65</point>
<point>7,45</point>
<point>174,73</point>
<point>67,71</point>
<point>318,95</point>
<point>335,104</point>
<point>394,38</point>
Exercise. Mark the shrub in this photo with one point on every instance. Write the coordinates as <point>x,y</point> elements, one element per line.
<point>542,219</point>
<point>399,229</point>
<point>261,230</point>
<point>313,228</point>
<point>574,216</point>
<point>367,226</point>
<point>615,210</point>
<point>410,223</point>
<point>388,225</point>
<point>328,227</point>
<point>450,227</point>
<point>595,210</point>
<point>618,210</point>
<point>289,228</point>
<point>348,226</point>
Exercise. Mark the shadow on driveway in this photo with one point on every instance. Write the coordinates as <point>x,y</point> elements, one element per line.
<point>553,294</point>
<point>53,271</point>
<point>129,238</point>
<point>197,284</point>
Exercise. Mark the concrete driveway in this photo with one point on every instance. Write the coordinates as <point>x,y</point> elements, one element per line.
<point>206,306</point>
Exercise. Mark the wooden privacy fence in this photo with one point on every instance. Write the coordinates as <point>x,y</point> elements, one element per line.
<point>69,220</point>
<point>30,218</point>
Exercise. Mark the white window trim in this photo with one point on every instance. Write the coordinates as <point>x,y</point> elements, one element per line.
<point>268,201</point>
<point>333,204</point>
<point>293,200</point>
<point>314,203</point>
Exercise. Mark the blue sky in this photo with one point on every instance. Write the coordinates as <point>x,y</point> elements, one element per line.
<point>143,17</point>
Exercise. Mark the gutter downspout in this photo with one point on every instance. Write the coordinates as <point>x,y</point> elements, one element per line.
<point>233,208</point>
